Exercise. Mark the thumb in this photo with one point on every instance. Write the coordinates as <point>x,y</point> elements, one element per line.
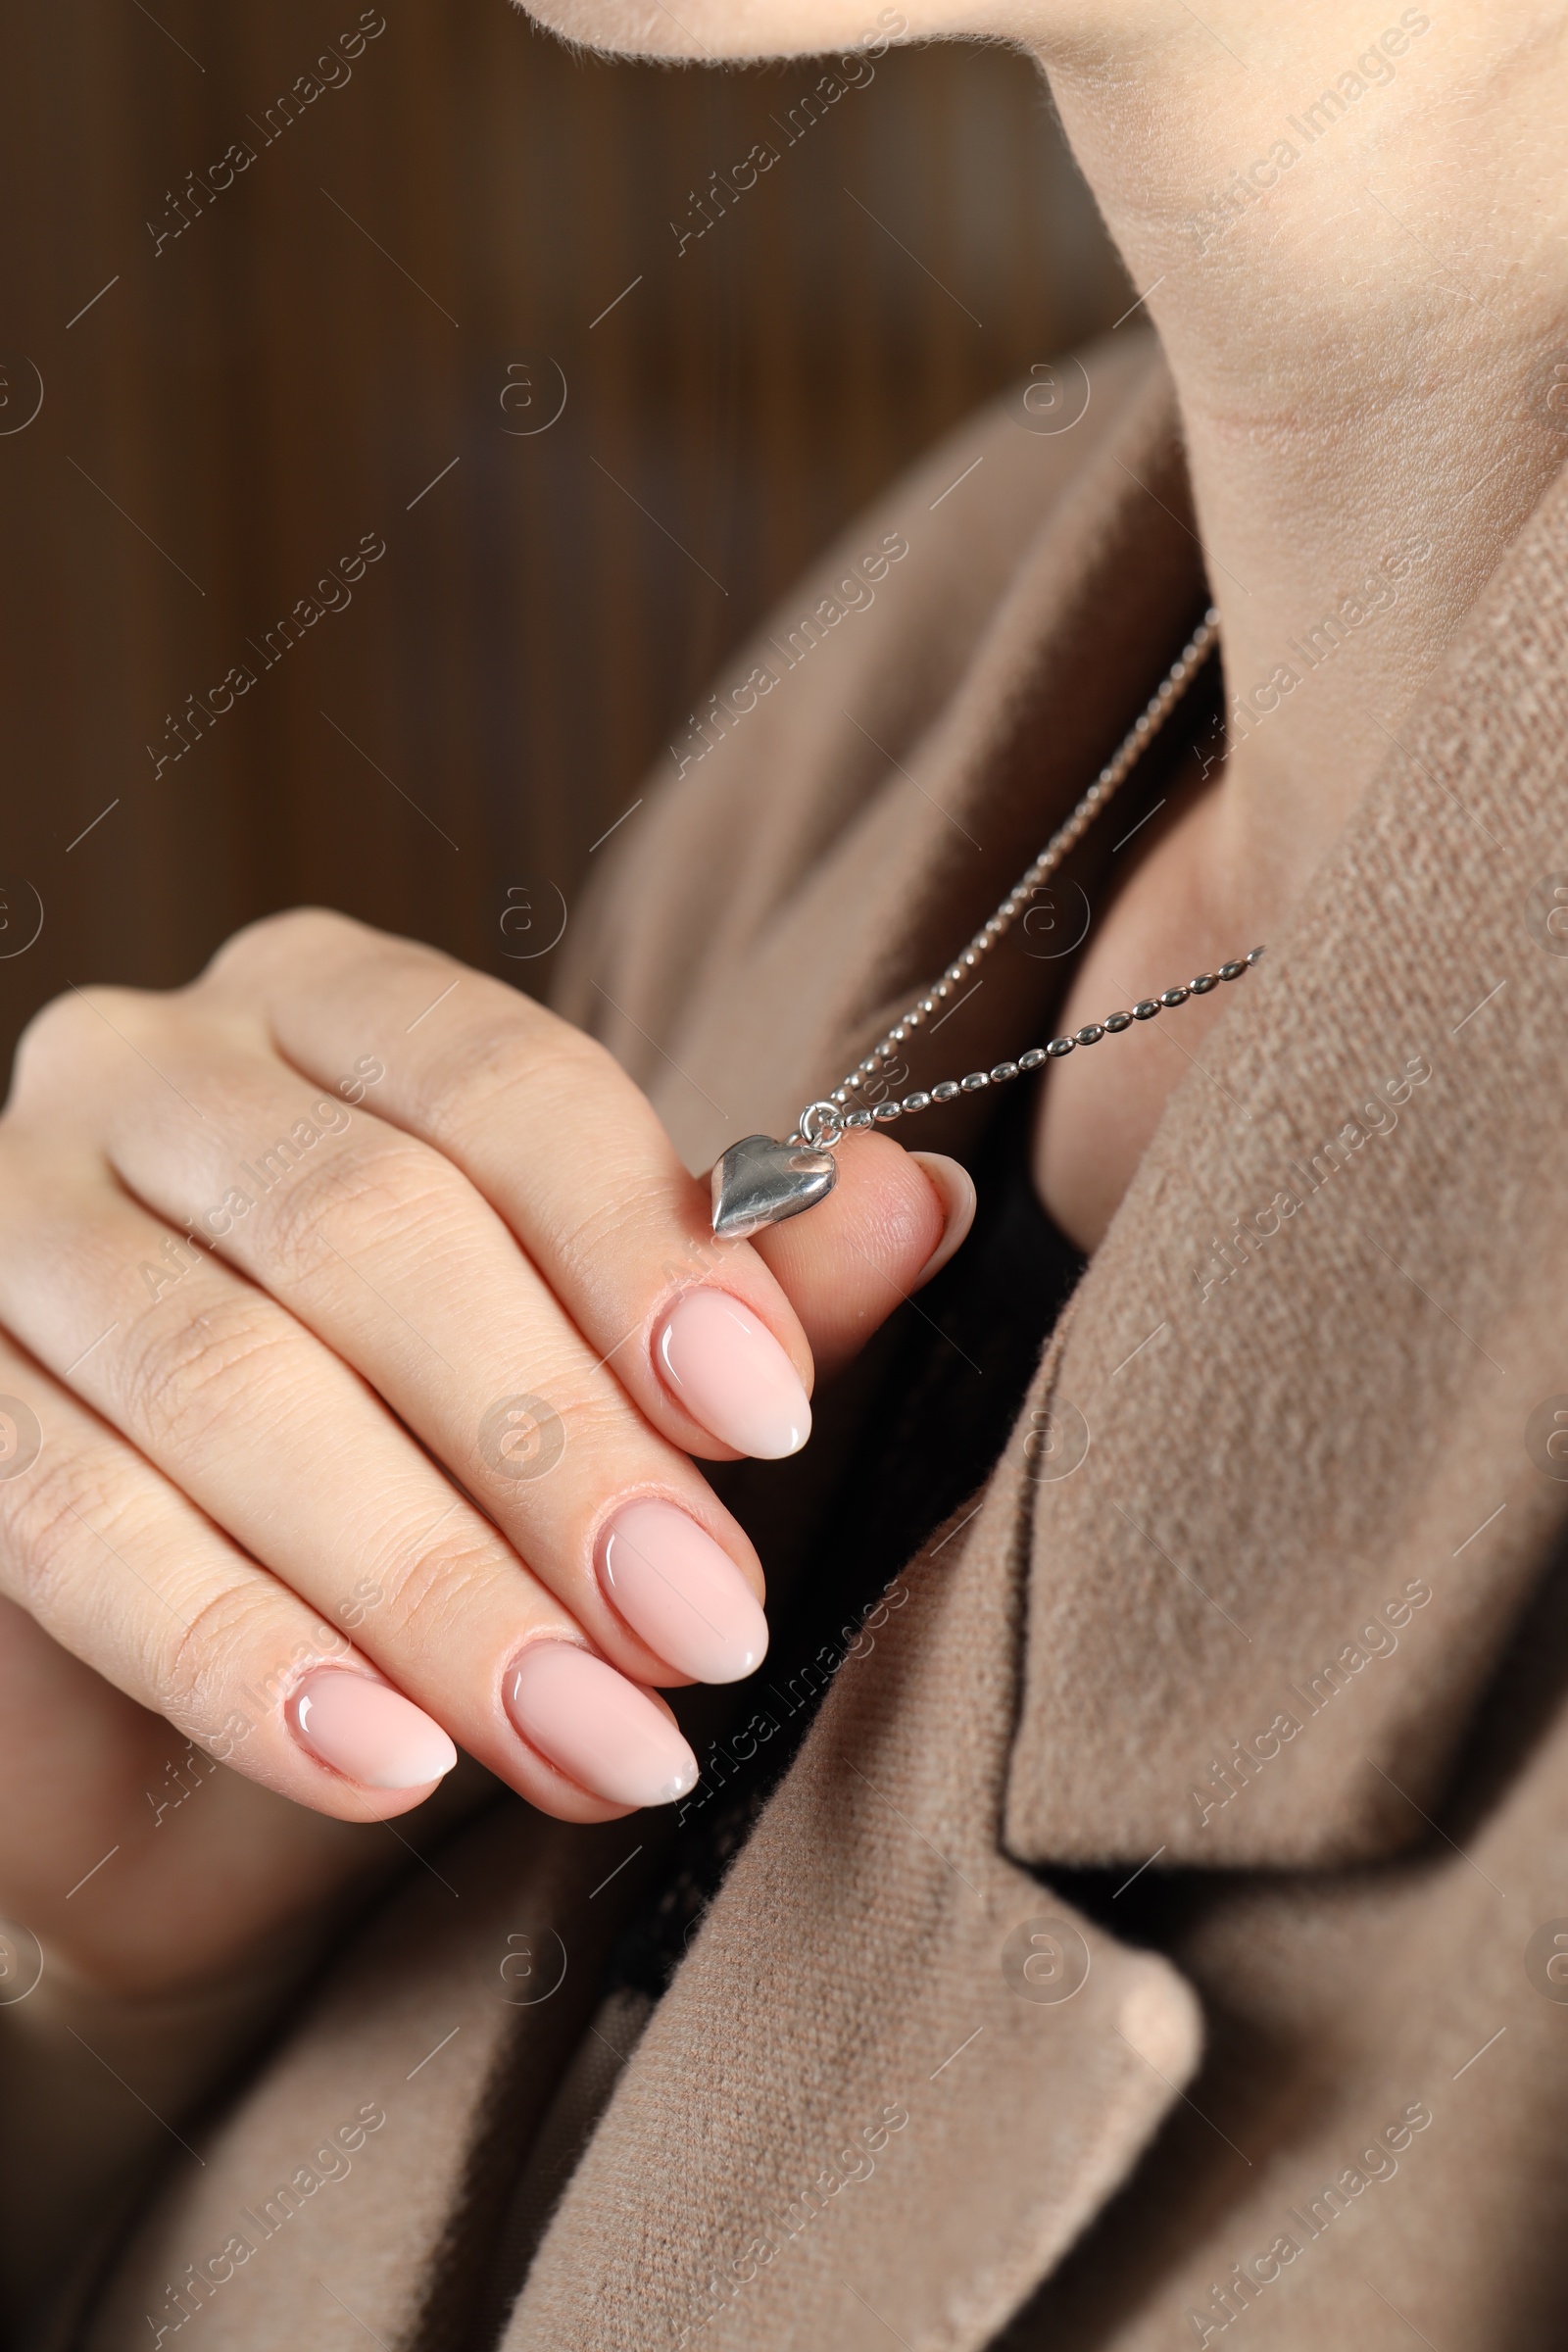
<point>891,1221</point>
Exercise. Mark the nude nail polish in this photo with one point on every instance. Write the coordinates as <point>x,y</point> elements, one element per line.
<point>730,1373</point>
<point>600,1728</point>
<point>681,1591</point>
<point>369,1733</point>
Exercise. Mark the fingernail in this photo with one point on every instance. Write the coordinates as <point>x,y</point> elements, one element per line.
<point>955,1187</point>
<point>681,1591</point>
<point>600,1730</point>
<point>732,1375</point>
<point>369,1733</point>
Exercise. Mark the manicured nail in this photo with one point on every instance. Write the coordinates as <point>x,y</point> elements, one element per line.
<point>732,1375</point>
<point>600,1730</point>
<point>954,1186</point>
<point>681,1591</point>
<point>369,1733</point>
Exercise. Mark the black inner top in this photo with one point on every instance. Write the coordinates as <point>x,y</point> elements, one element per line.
<point>963,1356</point>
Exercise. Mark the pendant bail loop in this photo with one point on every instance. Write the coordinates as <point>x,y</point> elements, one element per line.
<point>821,1126</point>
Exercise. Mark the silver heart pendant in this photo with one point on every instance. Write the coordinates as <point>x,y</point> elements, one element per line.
<point>759,1182</point>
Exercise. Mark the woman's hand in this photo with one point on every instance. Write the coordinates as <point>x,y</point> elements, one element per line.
<point>357,1323</point>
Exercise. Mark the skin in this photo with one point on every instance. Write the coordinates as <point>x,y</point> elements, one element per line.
<point>243,1437</point>
<point>1359,363</point>
<point>1361,359</point>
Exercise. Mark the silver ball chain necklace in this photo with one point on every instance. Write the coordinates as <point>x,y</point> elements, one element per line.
<point>760,1181</point>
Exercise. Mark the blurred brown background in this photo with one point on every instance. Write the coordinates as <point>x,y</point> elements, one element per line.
<point>268,370</point>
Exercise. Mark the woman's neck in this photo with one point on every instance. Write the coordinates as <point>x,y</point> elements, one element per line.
<point>1360,279</point>
<point>1350,234</point>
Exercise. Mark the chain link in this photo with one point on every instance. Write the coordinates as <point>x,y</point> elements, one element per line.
<point>823,1124</point>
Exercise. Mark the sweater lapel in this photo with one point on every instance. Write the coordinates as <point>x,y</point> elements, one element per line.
<point>1319,1358</point>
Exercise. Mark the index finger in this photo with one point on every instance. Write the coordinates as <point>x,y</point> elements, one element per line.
<point>566,1147</point>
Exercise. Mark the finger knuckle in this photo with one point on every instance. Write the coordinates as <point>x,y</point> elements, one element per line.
<point>45,1521</point>
<point>295,936</point>
<point>73,1527</point>
<point>67,1038</point>
<point>180,1383</point>
<point>194,1667</point>
<point>517,1049</point>
<point>387,1190</point>
<point>439,1588</point>
<point>614,1223</point>
<point>85,1550</point>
